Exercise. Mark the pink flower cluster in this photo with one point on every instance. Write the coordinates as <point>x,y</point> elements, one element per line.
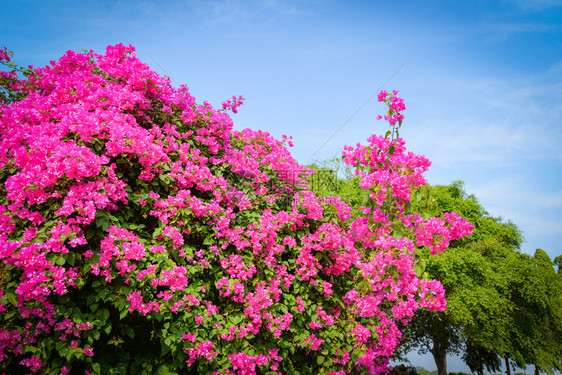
<point>233,104</point>
<point>395,107</point>
<point>246,364</point>
<point>202,349</point>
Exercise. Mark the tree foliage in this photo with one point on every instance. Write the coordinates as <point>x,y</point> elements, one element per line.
<point>501,303</point>
<point>141,233</point>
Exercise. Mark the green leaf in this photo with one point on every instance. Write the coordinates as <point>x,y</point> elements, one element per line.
<point>90,233</point>
<point>70,259</point>
<point>103,315</point>
<point>235,319</point>
<point>123,313</point>
<point>11,298</point>
<point>107,328</point>
<point>63,299</point>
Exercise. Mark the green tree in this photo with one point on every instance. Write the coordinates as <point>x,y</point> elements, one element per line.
<point>535,329</point>
<point>501,303</point>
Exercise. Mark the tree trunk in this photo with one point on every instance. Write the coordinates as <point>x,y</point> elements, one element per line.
<point>440,357</point>
<point>507,368</point>
<point>536,370</point>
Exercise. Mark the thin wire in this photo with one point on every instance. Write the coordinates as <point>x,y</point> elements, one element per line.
<point>164,70</point>
<point>363,105</point>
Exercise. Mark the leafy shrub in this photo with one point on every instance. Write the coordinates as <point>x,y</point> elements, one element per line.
<point>141,233</point>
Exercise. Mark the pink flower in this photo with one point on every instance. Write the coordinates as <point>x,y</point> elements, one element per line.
<point>315,325</point>
<point>88,351</point>
<point>188,336</point>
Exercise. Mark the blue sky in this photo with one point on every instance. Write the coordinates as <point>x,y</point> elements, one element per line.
<point>482,80</point>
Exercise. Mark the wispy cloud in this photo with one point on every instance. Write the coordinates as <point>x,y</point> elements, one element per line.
<point>499,32</point>
<point>506,120</point>
<point>522,27</point>
<point>230,11</point>
<point>536,5</point>
<point>515,189</point>
<point>286,7</point>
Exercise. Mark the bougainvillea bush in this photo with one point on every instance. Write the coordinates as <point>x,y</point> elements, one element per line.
<point>141,233</point>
